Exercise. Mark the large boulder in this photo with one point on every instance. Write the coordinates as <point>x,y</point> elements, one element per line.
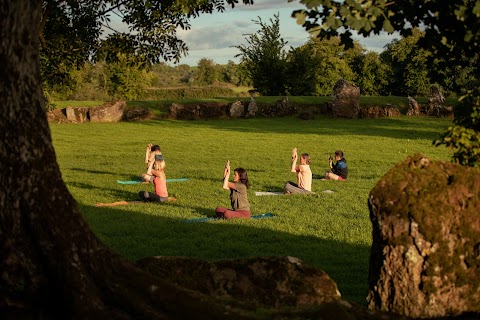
<point>425,256</point>
<point>236,109</point>
<point>77,114</point>
<point>271,282</point>
<point>184,112</point>
<point>378,112</point>
<point>108,112</point>
<point>57,116</point>
<point>283,107</point>
<point>198,111</point>
<point>345,100</point>
<point>137,114</point>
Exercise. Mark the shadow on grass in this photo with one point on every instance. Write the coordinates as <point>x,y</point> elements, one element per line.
<point>93,171</point>
<point>135,235</point>
<point>403,127</point>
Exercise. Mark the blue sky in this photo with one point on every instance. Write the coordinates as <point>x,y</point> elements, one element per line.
<point>213,36</point>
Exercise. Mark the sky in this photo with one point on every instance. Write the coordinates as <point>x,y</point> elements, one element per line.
<point>213,36</point>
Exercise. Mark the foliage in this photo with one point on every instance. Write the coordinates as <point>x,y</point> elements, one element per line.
<point>331,231</point>
<point>127,78</point>
<point>456,76</point>
<point>206,71</point>
<point>372,74</point>
<point>264,58</point>
<point>49,104</point>
<point>314,68</point>
<point>233,73</point>
<point>190,92</point>
<point>409,65</point>
<point>72,32</point>
<point>452,30</point>
<point>464,137</point>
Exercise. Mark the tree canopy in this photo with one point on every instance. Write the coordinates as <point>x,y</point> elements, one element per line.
<point>72,32</point>
<point>452,30</point>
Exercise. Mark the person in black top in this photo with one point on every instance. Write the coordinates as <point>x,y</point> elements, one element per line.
<point>339,171</point>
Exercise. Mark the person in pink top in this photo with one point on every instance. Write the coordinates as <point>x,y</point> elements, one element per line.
<point>150,153</point>
<point>156,169</point>
<point>304,174</point>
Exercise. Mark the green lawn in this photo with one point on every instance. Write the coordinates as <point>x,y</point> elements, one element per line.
<point>330,231</point>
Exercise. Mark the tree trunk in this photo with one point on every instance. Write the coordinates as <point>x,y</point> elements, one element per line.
<point>51,264</point>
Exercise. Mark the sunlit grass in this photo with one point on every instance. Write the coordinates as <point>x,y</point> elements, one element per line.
<point>331,231</point>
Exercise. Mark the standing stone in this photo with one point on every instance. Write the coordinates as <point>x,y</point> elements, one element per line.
<point>425,256</point>
<point>435,102</point>
<point>413,107</point>
<point>237,109</point>
<point>345,100</point>
<point>252,108</point>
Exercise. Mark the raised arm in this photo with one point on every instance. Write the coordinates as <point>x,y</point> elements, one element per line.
<point>226,175</point>
<point>294,167</point>
<point>150,168</point>
<point>147,153</point>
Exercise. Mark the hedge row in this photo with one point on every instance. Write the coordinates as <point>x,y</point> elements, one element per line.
<point>189,93</point>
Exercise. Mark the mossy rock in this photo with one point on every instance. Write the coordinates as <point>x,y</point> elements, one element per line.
<point>425,257</point>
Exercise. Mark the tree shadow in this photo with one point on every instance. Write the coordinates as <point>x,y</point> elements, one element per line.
<point>402,127</point>
<point>215,239</point>
<point>93,171</point>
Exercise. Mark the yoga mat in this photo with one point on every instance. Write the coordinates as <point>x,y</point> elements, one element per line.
<point>140,181</point>
<point>328,191</point>
<point>126,203</point>
<point>275,193</point>
<point>258,216</point>
<point>268,193</point>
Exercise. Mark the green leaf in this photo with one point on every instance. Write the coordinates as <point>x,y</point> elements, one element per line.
<point>300,17</point>
<point>310,4</point>
<point>476,8</point>
<point>387,26</point>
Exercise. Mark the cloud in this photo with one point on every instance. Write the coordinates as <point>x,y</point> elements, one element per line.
<point>214,36</point>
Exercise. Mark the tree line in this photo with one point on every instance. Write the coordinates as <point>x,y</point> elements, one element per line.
<point>403,68</point>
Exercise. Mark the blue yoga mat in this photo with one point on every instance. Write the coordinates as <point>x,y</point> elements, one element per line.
<point>140,181</point>
<point>258,216</point>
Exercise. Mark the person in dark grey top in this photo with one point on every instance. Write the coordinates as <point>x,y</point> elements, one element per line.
<point>238,194</point>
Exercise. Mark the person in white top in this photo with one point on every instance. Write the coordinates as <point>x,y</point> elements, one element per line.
<point>304,174</point>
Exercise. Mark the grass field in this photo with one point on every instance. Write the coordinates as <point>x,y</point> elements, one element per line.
<point>331,231</point>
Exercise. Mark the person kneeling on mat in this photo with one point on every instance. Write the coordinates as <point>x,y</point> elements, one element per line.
<point>159,181</point>
<point>238,194</point>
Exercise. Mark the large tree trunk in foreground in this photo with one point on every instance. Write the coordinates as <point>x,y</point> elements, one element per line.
<point>51,264</point>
